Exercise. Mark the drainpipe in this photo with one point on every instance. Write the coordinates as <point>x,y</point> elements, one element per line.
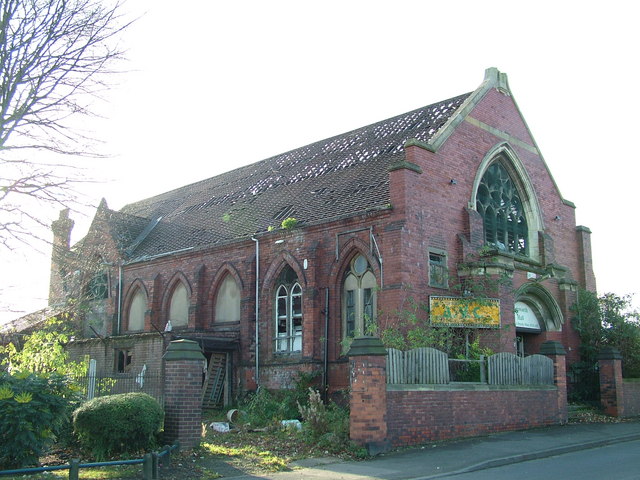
<point>325,372</point>
<point>119,299</point>
<point>257,309</point>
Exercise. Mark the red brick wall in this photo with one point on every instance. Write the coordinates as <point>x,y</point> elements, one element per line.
<point>631,397</point>
<point>183,402</point>
<point>419,416</point>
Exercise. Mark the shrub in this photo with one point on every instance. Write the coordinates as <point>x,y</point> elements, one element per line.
<point>608,320</point>
<point>327,426</point>
<point>116,424</point>
<point>267,408</point>
<point>33,410</point>
<point>289,223</point>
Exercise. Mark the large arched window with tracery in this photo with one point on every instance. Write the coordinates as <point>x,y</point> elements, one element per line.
<point>359,298</point>
<point>498,202</point>
<point>288,312</point>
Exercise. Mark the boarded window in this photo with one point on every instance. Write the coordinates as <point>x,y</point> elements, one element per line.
<point>228,301</point>
<point>179,307</point>
<point>137,310</point>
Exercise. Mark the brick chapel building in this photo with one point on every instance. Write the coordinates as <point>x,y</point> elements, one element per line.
<point>272,266</point>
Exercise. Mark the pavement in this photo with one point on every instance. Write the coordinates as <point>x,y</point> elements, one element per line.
<point>461,456</point>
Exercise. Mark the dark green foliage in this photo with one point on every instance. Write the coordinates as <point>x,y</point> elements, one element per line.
<point>33,410</point>
<point>603,321</point>
<point>125,423</point>
<point>268,407</point>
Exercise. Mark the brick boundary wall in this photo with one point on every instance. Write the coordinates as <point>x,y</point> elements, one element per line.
<point>404,415</point>
<point>183,393</point>
<point>417,416</point>
<point>631,397</point>
<point>619,397</point>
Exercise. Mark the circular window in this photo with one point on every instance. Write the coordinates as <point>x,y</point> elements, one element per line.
<point>360,265</point>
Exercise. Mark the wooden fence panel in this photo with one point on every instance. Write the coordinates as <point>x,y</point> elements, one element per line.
<point>509,369</point>
<point>504,369</point>
<point>430,366</point>
<point>395,367</point>
<point>537,370</point>
<point>420,365</point>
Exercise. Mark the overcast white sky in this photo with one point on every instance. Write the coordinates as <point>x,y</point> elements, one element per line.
<point>214,85</point>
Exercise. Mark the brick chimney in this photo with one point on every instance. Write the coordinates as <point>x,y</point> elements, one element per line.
<point>61,229</point>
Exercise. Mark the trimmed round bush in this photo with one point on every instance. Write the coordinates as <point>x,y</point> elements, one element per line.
<point>118,424</point>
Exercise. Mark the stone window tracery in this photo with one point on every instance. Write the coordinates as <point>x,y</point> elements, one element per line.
<point>498,202</point>
<point>359,298</point>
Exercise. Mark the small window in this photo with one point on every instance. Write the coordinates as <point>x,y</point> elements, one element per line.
<point>98,287</point>
<point>438,273</point>
<point>123,360</point>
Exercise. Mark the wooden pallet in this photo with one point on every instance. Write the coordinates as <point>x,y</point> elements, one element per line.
<point>214,380</point>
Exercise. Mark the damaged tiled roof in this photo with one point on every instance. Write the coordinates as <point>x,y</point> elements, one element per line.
<point>340,176</point>
<point>125,228</point>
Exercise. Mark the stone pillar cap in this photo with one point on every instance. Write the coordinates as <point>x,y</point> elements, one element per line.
<point>551,347</point>
<point>609,353</point>
<point>183,350</point>
<point>366,346</point>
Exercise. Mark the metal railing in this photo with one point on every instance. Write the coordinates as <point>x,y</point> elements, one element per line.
<point>102,385</point>
<point>151,463</point>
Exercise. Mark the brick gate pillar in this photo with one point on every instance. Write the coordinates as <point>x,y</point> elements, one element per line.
<point>611,387</point>
<point>368,401</point>
<point>183,364</point>
<point>556,352</point>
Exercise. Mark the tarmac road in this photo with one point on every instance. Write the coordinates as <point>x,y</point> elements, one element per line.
<point>473,455</point>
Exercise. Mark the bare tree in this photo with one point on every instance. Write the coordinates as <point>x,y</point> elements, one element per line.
<point>55,59</point>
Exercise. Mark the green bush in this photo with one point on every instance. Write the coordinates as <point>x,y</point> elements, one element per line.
<point>33,410</point>
<point>268,407</point>
<point>117,424</point>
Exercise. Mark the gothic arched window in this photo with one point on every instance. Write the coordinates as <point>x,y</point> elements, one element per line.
<point>179,306</point>
<point>359,298</point>
<point>288,312</point>
<point>228,301</point>
<point>498,202</point>
<point>137,309</point>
